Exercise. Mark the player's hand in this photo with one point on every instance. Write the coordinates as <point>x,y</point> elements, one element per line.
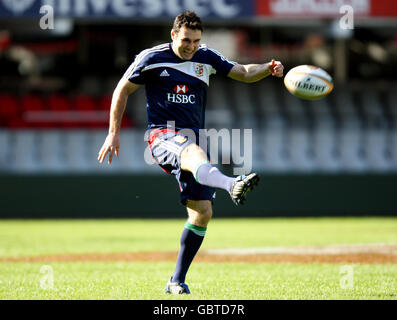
<point>111,146</point>
<point>276,68</point>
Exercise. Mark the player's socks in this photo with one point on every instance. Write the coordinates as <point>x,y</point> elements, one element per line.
<point>191,239</point>
<point>209,175</point>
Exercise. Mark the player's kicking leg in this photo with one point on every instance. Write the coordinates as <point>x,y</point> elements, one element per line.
<point>179,156</point>
<point>195,160</point>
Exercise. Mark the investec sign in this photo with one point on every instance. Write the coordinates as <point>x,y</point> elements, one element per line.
<point>129,8</point>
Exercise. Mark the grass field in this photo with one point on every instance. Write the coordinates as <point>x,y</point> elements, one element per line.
<point>71,276</point>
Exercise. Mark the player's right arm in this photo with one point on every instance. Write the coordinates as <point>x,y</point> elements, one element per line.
<point>119,101</point>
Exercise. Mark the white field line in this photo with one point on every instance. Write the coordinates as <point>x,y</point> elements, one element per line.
<point>390,249</point>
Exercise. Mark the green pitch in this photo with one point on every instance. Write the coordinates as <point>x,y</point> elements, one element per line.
<point>207,280</point>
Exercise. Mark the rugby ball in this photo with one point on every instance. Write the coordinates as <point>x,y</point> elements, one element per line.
<point>308,82</point>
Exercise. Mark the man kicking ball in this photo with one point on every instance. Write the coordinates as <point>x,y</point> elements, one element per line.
<point>176,78</point>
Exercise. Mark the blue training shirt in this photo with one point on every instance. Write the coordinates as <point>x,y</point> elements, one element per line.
<point>176,89</point>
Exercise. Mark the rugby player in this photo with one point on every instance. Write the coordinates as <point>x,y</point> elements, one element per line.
<point>176,79</point>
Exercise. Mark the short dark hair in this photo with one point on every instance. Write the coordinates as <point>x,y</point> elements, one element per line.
<point>189,19</point>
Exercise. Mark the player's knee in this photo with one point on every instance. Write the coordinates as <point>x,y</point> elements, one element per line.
<point>200,212</point>
<point>200,219</point>
<point>192,155</point>
<point>193,151</point>
<point>206,212</point>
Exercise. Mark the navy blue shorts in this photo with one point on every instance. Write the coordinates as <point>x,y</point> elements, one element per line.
<point>166,146</point>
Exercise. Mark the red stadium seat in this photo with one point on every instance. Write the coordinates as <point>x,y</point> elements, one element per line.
<point>59,102</point>
<point>19,123</point>
<point>33,107</point>
<point>127,122</point>
<point>102,108</point>
<point>84,102</point>
<point>61,107</point>
<point>104,102</point>
<point>9,109</point>
<point>32,102</point>
<point>88,106</point>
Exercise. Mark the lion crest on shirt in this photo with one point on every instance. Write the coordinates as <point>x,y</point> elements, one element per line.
<point>199,69</point>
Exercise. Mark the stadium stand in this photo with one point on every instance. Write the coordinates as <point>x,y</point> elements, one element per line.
<point>348,131</point>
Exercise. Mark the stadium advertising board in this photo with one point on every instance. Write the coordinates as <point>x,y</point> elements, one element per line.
<point>128,8</point>
<point>324,8</point>
<point>221,9</point>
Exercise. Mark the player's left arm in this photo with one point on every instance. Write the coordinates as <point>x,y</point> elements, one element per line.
<point>254,72</point>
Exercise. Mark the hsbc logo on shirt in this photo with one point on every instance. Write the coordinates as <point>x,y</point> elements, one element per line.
<point>180,95</point>
<point>181,88</point>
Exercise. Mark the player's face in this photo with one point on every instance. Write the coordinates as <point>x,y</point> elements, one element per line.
<point>185,43</point>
